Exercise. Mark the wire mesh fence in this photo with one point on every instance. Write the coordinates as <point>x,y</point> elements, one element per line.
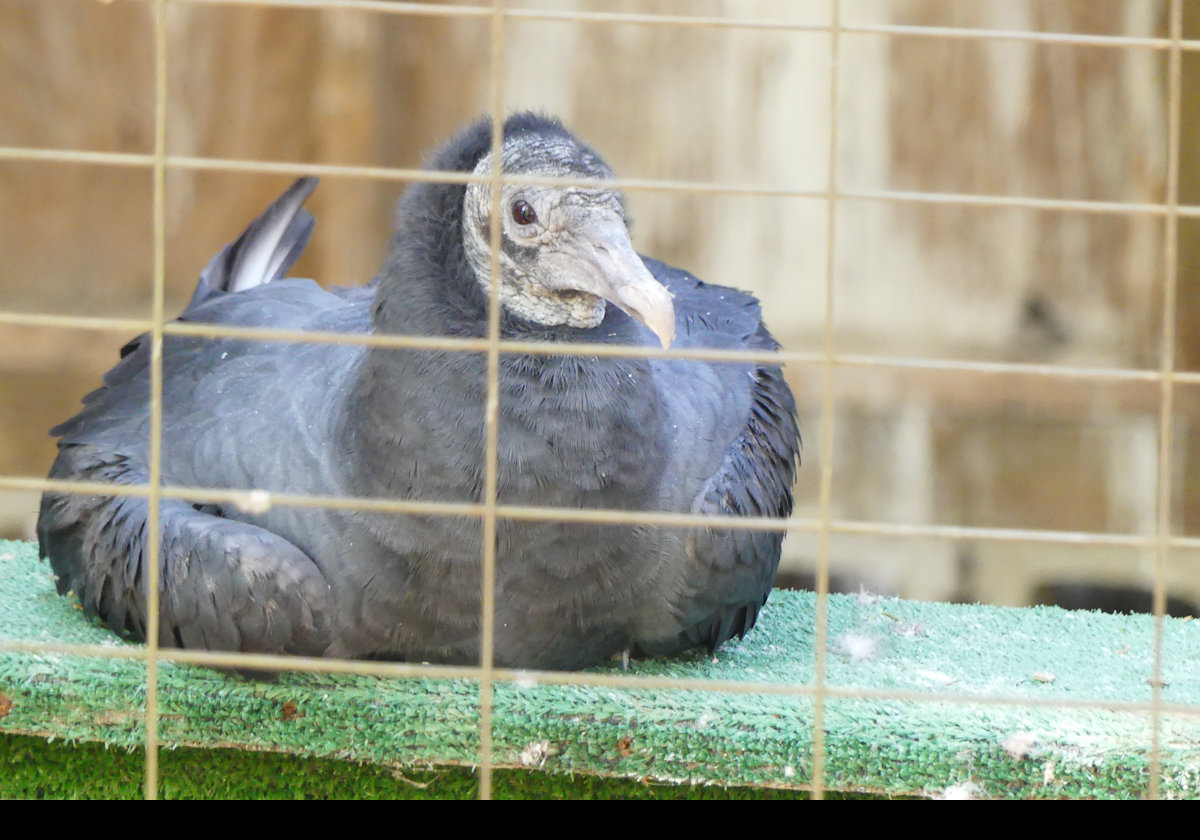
<point>821,366</point>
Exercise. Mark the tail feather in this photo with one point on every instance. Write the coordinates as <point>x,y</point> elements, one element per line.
<point>266,250</point>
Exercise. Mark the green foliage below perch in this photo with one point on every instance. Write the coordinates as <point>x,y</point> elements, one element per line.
<point>415,730</point>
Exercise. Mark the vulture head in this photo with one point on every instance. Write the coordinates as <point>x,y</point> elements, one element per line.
<point>564,250</point>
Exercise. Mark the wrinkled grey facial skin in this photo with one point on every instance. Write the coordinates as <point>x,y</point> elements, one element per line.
<point>564,251</point>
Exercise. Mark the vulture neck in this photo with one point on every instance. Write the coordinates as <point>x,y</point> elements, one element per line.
<point>567,423</point>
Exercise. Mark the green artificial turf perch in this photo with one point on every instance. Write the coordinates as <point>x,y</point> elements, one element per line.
<point>689,738</point>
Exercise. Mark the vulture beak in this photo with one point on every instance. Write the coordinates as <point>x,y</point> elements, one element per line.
<point>603,263</point>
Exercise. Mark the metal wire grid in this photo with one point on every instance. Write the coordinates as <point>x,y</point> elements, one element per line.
<point>829,360</point>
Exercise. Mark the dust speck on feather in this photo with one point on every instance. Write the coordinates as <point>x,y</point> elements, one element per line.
<point>1042,677</point>
<point>256,501</point>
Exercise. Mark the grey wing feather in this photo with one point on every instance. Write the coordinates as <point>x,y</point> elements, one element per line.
<point>731,570</point>
<point>225,584</point>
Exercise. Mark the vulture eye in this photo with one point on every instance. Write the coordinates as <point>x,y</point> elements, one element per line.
<point>522,212</point>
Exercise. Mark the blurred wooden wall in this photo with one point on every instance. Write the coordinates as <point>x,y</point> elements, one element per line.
<point>1009,119</point>
<point>736,106</point>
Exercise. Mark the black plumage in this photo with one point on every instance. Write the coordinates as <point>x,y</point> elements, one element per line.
<point>577,432</point>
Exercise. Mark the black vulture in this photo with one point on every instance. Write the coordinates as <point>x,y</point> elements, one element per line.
<point>574,431</point>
